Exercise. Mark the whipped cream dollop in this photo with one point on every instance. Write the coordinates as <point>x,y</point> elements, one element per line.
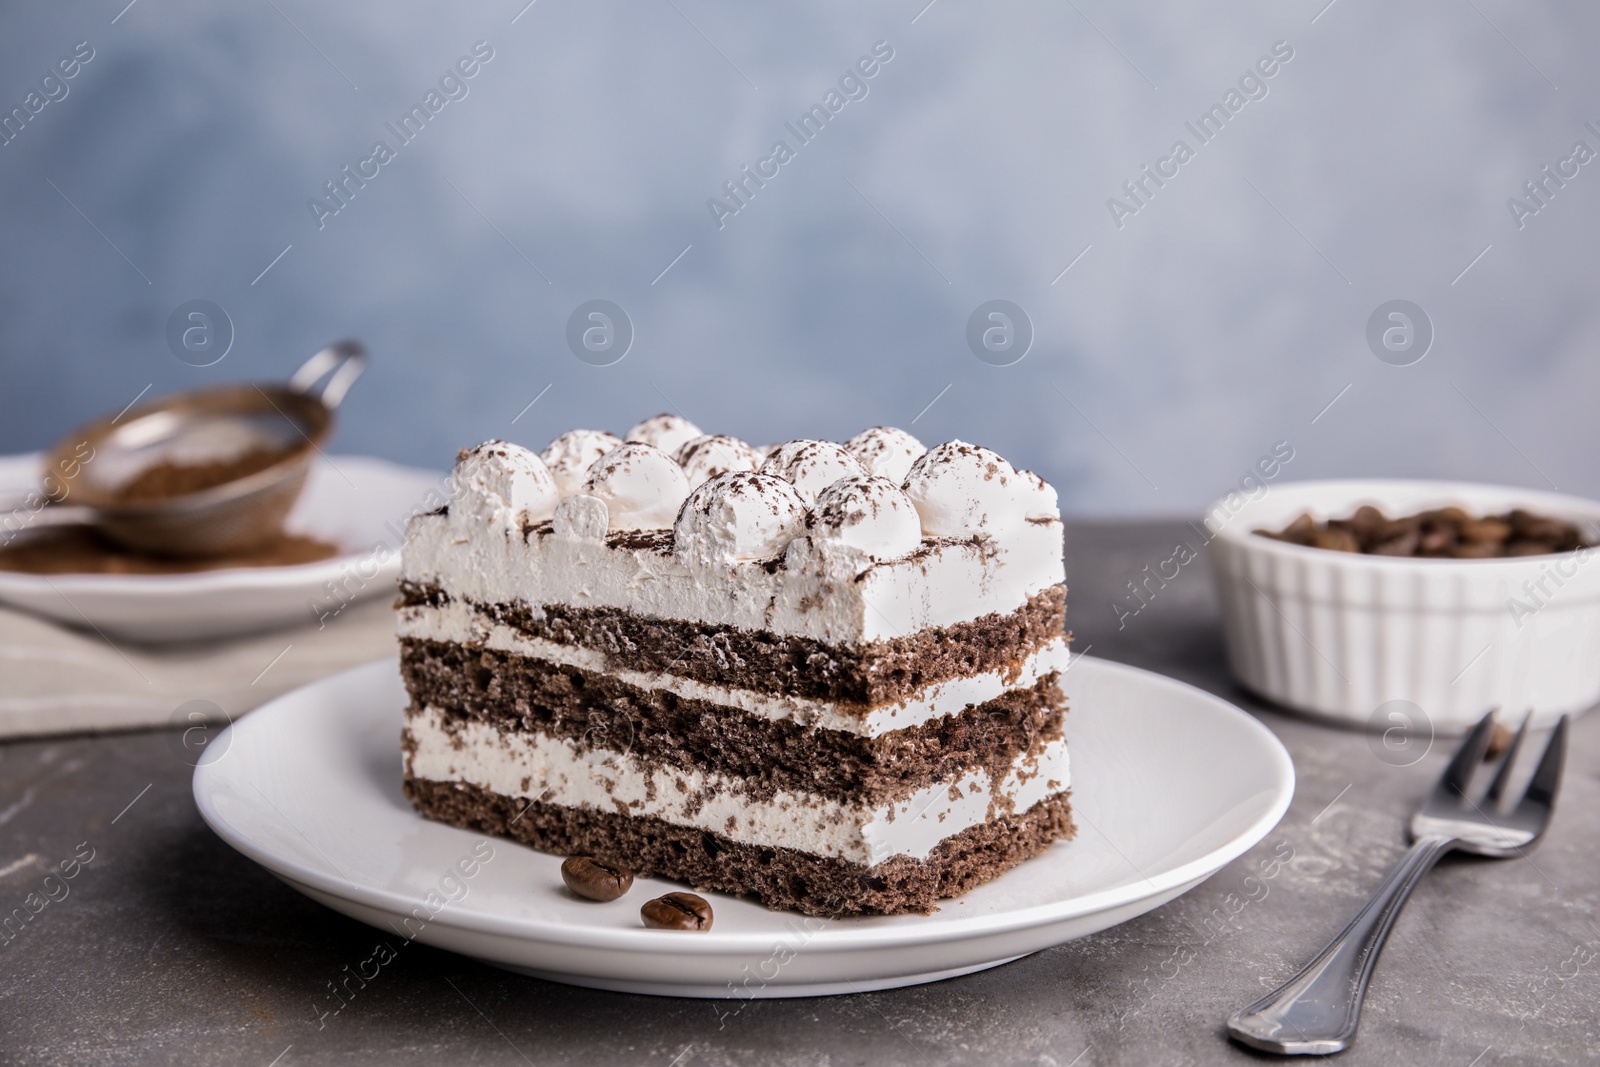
<point>570,456</point>
<point>886,452</point>
<point>705,457</point>
<point>960,490</point>
<point>869,513</point>
<point>739,516</point>
<point>581,518</point>
<point>810,466</point>
<point>1038,497</point>
<point>641,485</point>
<point>500,485</point>
<point>666,432</point>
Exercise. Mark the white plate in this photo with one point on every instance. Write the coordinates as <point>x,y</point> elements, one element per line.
<point>358,503</point>
<point>1169,784</point>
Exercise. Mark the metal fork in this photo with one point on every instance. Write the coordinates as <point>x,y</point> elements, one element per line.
<point>1317,1011</point>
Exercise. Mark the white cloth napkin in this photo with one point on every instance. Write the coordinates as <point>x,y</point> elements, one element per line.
<point>54,680</point>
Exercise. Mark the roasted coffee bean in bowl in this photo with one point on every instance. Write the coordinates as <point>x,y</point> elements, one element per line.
<point>594,879</point>
<point>1338,597</point>
<point>677,911</point>
<point>1441,533</point>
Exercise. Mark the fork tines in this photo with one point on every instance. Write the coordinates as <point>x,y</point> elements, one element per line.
<point>1546,778</point>
<point>1497,787</point>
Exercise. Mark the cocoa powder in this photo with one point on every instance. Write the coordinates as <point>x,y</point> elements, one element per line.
<point>167,479</point>
<point>76,551</point>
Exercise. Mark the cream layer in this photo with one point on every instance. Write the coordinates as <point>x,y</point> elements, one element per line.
<point>823,590</point>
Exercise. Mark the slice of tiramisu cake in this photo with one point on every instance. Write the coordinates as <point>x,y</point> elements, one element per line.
<point>823,675</point>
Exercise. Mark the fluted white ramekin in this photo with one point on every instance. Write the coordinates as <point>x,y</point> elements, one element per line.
<point>1338,634</point>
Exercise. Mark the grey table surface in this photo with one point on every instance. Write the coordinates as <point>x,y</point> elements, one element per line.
<point>171,947</point>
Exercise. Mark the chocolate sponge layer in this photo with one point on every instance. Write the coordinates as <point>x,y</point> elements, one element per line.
<point>867,674</point>
<point>782,878</point>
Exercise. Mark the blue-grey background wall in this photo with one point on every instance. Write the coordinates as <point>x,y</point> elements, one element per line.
<point>1196,326</point>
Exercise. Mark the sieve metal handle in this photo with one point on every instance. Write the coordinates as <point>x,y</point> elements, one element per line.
<point>18,522</point>
<point>340,363</point>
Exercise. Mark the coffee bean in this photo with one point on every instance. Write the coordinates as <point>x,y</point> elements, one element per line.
<point>1404,544</point>
<point>1338,540</point>
<point>1529,548</point>
<point>1499,741</point>
<point>593,880</point>
<point>1485,530</point>
<point>1439,538</point>
<point>1536,528</point>
<point>1527,524</point>
<point>1367,518</point>
<point>677,911</point>
<point>1300,530</point>
<point>1388,531</point>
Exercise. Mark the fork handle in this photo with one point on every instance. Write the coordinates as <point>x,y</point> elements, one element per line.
<point>1317,1011</point>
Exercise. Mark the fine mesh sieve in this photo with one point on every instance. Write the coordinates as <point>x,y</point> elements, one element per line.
<point>88,472</point>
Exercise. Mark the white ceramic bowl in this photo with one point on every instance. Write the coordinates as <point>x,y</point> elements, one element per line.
<point>1337,634</point>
